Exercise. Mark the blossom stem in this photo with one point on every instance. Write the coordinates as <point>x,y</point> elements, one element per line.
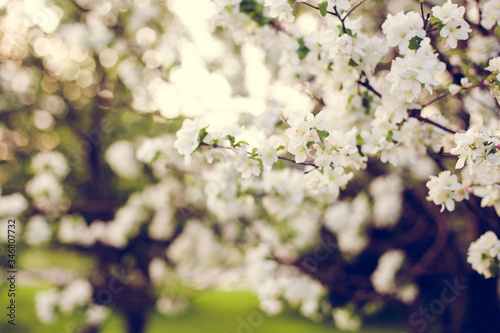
<point>344,30</point>
<point>214,145</point>
<point>367,85</point>
<point>481,84</point>
<point>415,113</point>
<point>337,14</point>
<point>312,6</point>
<point>426,19</point>
<point>435,99</point>
<point>353,8</point>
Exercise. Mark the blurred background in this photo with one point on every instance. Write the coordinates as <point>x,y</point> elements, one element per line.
<point>114,233</point>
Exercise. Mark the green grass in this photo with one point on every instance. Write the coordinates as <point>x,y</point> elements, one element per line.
<point>26,321</point>
<point>213,312</point>
<point>233,312</point>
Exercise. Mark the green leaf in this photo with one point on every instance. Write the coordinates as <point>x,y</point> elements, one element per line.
<point>323,8</point>
<point>255,11</point>
<point>280,148</point>
<point>422,0</point>
<point>322,146</point>
<point>231,140</point>
<point>323,134</point>
<point>349,100</point>
<point>303,50</point>
<point>415,43</point>
<point>359,140</point>
<point>440,39</point>
<point>433,20</point>
<point>353,63</point>
<point>239,143</point>
<point>389,136</point>
<point>254,151</point>
<point>367,99</point>
<point>494,268</point>
<point>347,31</point>
<point>309,144</point>
<point>203,133</point>
<point>496,31</point>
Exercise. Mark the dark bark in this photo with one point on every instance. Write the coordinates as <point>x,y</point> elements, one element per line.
<point>135,305</point>
<point>484,309</point>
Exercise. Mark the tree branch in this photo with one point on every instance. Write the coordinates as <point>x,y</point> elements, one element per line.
<point>415,113</point>
<point>353,8</point>
<point>213,145</point>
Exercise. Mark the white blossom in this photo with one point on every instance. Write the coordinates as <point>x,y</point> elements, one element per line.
<point>51,161</point>
<point>121,158</point>
<point>77,293</point>
<point>46,302</point>
<point>346,319</point>
<point>37,230</point>
<point>401,28</point>
<point>384,276</point>
<point>484,254</point>
<point>445,189</point>
<point>454,26</point>
<point>187,137</point>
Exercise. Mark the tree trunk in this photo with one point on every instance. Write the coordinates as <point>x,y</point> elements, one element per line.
<point>135,319</point>
<point>484,308</point>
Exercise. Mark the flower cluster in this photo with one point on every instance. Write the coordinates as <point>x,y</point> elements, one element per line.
<point>12,205</point>
<point>346,319</point>
<point>484,255</point>
<point>76,295</point>
<point>305,131</point>
<point>45,187</point>
<point>340,4</point>
<point>121,158</point>
<point>37,230</point>
<point>308,139</point>
<point>287,283</point>
<point>401,28</point>
<point>452,25</point>
<point>384,276</point>
<point>490,11</point>
<point>280,9</point>
<point>188,137</point>
<point>475,147</point>
<point>417,69</point>
<point>494,66</point>
<point>445,189</point>
<point>347,220</point>
<point>388,201</point>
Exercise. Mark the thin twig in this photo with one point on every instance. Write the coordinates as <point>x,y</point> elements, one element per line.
<point>214,145</point>
<point>344,30</point>
<point>435,99</point>
<point>312,6</point>
<point>415,113</point>
<point>369,87</point>
<point>423,15</point>
<point>314,168</point>
<point>353,8</point>
<point>481,84</point>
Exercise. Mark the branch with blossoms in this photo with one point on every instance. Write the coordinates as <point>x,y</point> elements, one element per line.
<point>337,5</point>
<point>306,133</point>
